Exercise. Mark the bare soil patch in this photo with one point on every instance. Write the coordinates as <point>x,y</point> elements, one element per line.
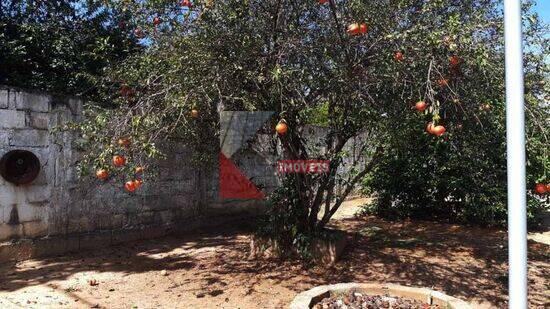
<point>210,269</point>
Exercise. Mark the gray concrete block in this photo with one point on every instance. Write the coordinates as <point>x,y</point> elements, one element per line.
<point>4,98</point>
<point>8,231</point>
<point>105,221</point>
<point>42,178</point>
<point>128,205</point>
<point>54,246</point>
<point>146,218</point>
<point>164,216</point>
<point>131,220</point>
<point>85,225</point>
<point>73,226</point>
<point>95,240</point>
<point>4,140</point>
<point>179,173</point>
<point>59,168</point>
<point>38,120</point>
<point>31,138</point>
<point>37,194</point>
<point>10,119</point>
<point>126,235</point>
<point>31,212</point>
<point>155,202</point>
<point>5,210</point>
<point>155,231</point>
<point>10,195</point>
<point>71,175</point>
<point>117,221</point>
<point>76,106</point>
<point>33,102</point>
<point>34,229</point>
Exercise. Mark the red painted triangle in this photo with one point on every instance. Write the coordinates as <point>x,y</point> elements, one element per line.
<point>234,184</point>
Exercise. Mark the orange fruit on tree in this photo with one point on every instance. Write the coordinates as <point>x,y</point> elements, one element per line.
<point>130,186</point>
<point>443,82</point>
<point>421,106</point>
<point>156,21</point>
<point>140,169</point>
<point>126,91</point>
<point>194,113</point>
<point>102,174</point>
<point>281,128</point>
<point>454,61</point>
<point>438,130</point>
<point>548,187</point>
<point>430,127</point>
<point>398,56</point>
<point>323,1</point>
<point>186,3</point>
<point>119,161</point>
<point>138,182</point>
<point>540,188</point>
<point>124,142</point>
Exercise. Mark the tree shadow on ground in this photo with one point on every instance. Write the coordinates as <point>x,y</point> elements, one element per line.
<point>465,262</point>
<point>135,257</point>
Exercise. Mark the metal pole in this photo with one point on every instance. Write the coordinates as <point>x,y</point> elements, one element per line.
<point>515,140</point>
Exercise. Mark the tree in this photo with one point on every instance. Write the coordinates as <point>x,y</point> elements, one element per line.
<point>61,46</point>
<point>298,58</point>
<point>462,177</point>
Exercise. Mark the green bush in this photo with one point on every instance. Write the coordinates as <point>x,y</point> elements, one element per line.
<point>460,178</point>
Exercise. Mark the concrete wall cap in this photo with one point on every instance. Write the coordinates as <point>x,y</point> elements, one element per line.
<point>304,300</point>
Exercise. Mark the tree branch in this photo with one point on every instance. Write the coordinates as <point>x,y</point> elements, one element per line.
<point>375,159</point>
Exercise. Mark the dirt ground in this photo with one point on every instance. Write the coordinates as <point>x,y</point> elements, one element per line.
<point>211,269</point>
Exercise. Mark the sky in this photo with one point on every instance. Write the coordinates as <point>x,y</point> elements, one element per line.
<point>543,9</point>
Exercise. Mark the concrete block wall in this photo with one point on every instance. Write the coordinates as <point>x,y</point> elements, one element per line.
<point>58,205</point>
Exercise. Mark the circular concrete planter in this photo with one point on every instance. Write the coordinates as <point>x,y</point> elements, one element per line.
<point>308,299</point>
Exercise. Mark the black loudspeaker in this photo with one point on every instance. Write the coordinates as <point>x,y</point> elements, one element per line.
<point>19,167</point>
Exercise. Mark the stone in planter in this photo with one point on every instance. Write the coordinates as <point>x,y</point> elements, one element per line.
<point>308,299</point>
<point>324,251</point>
